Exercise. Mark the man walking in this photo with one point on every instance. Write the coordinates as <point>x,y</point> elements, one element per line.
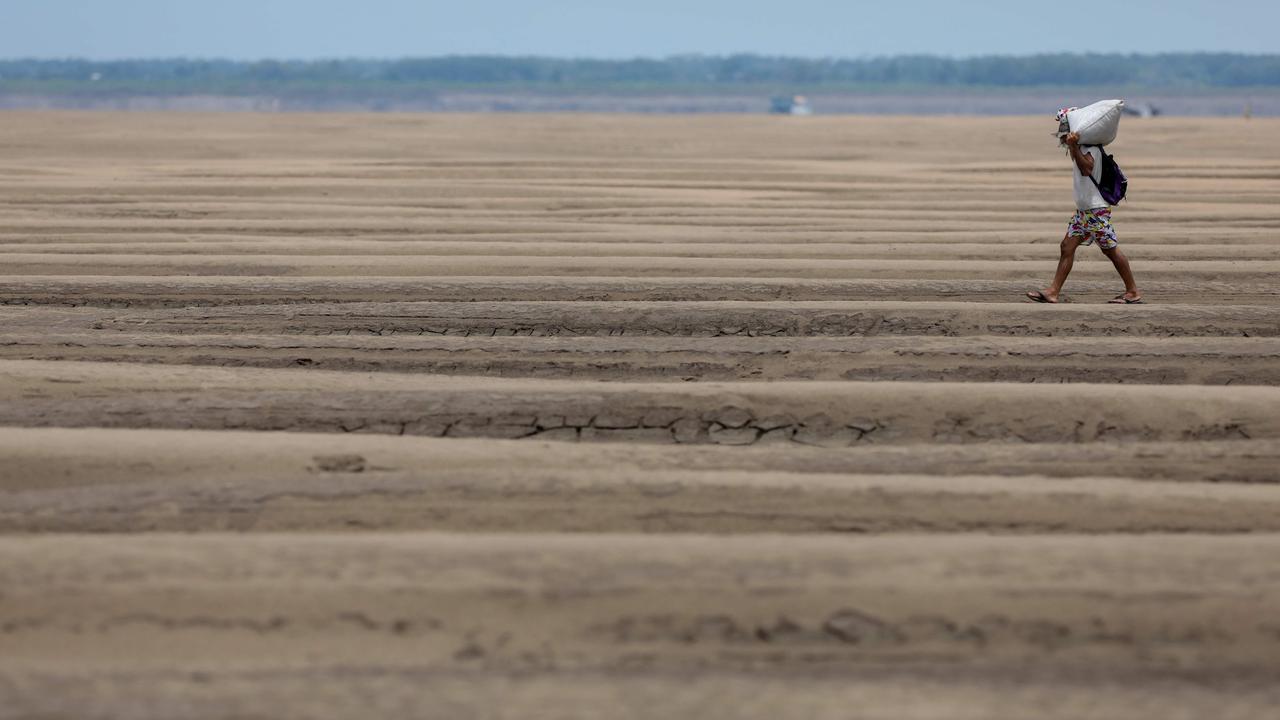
<point>1090,224</point>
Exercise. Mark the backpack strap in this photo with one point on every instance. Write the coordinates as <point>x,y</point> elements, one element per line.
<point>1101,154</point>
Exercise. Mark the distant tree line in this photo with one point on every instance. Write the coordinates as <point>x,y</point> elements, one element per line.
<point>1181,70</point>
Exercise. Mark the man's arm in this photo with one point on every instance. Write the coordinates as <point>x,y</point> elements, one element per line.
<point>1084,160</point>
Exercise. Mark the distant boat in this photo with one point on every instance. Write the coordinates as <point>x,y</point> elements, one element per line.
<point>794,105</point>
<point>1145,110</point>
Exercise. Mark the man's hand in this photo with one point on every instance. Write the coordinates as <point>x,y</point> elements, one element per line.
<point>1072,139</point>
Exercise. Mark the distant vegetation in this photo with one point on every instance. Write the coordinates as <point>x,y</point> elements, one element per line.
<point>691,73</point>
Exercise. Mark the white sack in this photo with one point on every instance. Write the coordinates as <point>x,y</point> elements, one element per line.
<point>1098,123</point>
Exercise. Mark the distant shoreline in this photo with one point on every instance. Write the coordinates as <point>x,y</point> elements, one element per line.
<point>1262,102</point>
<point>1187,84</point>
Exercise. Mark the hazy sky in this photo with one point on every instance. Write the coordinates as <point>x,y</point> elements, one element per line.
<point>612,29</point>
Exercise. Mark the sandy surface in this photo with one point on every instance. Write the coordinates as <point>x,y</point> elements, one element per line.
<point>266,616</point>
<point>317,416</point>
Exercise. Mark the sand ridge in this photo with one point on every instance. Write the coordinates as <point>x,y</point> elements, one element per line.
<point>263,483</point>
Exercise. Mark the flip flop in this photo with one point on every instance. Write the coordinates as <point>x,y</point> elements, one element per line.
<point>1122,300</point>
<point>1040,297</point>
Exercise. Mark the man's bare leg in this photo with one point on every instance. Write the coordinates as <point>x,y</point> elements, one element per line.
<point>1121,262</point>
<point>1066,261</point>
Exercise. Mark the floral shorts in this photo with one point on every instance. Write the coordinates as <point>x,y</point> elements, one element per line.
<point>1093,225</point>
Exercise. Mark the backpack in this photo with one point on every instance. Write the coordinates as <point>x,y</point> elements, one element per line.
<point>1113,184</point>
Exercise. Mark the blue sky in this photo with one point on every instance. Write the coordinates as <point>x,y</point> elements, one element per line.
<point>304,29</point>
